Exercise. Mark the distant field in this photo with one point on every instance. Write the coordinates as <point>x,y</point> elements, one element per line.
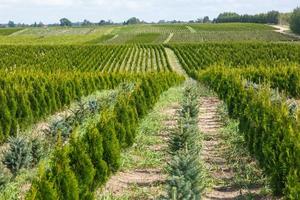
<point>143,34</point>
<point>231,27</point>
<point>167,28</point>
<point>8,31</point>
<point>56,31</point>
<point>152,38</point>
<point>229,36</point>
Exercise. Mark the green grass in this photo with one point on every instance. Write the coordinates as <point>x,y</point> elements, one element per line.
<point>8,31</point>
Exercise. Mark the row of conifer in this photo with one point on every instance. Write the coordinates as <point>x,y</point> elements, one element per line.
<point>185,171</point>
<point>269,123</point>
<point>77,169</point>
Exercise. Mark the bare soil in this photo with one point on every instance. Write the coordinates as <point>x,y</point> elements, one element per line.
<point>213,156</point>
<point>153,178</point>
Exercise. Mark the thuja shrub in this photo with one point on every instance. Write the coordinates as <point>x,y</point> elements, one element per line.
<point>271,132</point>
<point>91,157</point>
<point>93,141</point>
<point>111,146</point>
<point>285,77</point>
<point>82,166</point>
<point>42,187</point>
<point>26,97</point>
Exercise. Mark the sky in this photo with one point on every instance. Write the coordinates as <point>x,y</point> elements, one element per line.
<point>50,11</point>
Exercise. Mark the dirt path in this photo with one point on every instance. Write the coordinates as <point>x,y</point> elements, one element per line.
<point>213,156</point>
<point>130,182</point>
<point>286,31</point>
<point>191,29</point>
<point>169,38</point>
<point>174,62</point>
<point>123,181</point>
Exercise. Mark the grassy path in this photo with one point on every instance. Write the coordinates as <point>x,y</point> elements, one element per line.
<point>174,62</point>
<point>18,32</point>
<point>234,174</point>
<point>142,174</point>
<point>169,38</point>
<point>210,124</point>
<point>191,29</point>
<point>112,39</point>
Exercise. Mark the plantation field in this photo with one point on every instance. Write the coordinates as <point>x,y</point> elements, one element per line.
<point>149,33</point>
<point>123,58</point>
<point>231,27</point>
<point>77,105</point>
<point>55,31</point>
<point>196,57</point>
<point>227,36</point>
<point>152,28</point>
<point>258,83</point>
<point>141,38</point>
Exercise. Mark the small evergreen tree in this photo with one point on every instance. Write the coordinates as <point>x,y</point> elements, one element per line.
<point>37,150</point>
<point>24,114</point>
<point>186,176</point>
<point>5,117</point>
<point>82,166</point>
<point>111,144</point>
<point>12,105</point>
<point>42,188</point>
<point>62,176</point>
<point>18,155</point>
<point>94,145</point>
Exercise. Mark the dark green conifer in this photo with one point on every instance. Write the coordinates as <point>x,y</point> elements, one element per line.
<point>5,117</point>
<point>62,176</point>
<point>94,145</point>
<point>111,144</point>
<point>82,166</point>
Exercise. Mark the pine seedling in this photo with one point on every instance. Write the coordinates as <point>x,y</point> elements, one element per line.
<point>18,155</point>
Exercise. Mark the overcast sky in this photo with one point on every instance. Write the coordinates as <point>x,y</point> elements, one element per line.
<point>50,11</point>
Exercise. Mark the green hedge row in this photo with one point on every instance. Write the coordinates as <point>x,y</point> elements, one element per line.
<point>285,78</point>
<point>93,153</point>
<point>108,58</point>
<point>194,57</point>
<point>271,132</point>
<point>27,97</point>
